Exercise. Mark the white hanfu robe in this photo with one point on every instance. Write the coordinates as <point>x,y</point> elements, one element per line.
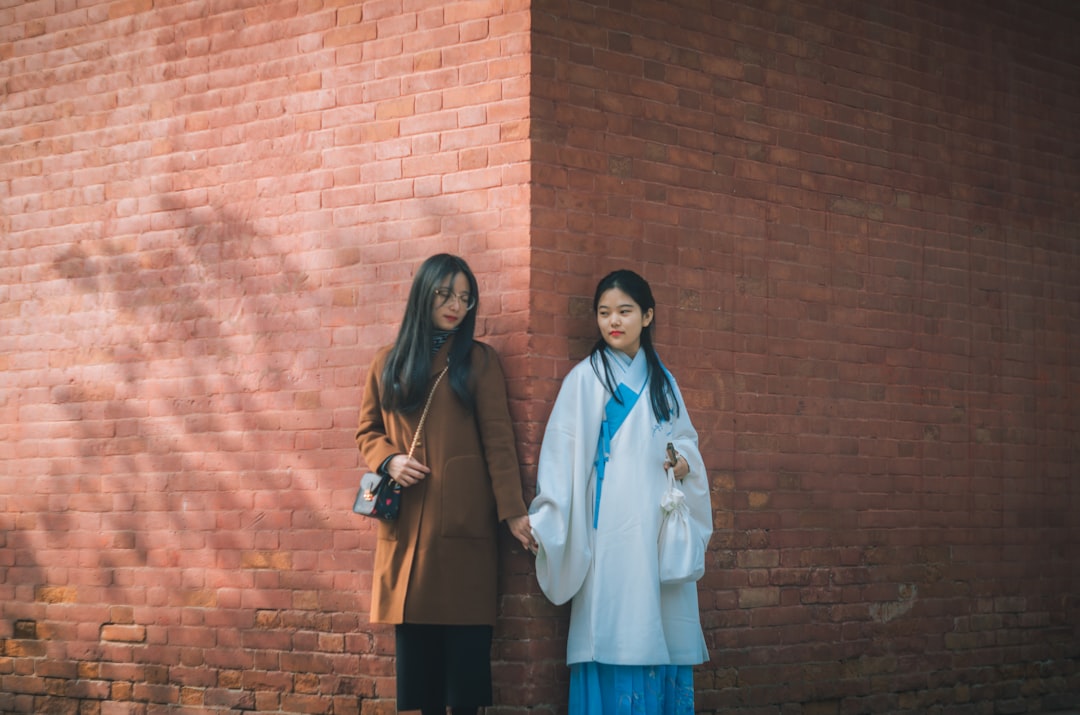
<point>620,613</point>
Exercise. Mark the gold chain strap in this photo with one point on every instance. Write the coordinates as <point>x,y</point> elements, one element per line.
<point>423,417</point>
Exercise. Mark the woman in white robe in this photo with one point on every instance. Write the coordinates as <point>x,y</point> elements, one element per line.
<point>596,517</point>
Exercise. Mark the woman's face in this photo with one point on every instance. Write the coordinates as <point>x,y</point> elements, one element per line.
<point>451,301</point>
<point>621,321</point>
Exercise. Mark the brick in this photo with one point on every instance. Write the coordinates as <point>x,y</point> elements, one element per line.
<point>55,594</point>
<point>124,633</point>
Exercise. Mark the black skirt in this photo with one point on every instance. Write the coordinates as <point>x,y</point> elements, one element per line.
<point>440,666</point>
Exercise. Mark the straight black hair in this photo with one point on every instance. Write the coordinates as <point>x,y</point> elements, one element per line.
<point>407,371</point>
<point>661,391</point>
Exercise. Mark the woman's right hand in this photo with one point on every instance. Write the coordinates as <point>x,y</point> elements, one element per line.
<point>522,531</point>
<point>406,471</point>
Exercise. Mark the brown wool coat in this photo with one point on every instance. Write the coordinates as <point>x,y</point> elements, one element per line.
<point>437,562</point>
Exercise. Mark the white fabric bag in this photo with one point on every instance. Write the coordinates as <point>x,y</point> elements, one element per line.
<point>681,551</point>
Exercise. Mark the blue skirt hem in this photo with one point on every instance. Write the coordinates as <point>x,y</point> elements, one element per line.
<point>602,689</point>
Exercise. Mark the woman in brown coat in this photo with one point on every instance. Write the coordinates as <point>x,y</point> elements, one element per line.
<point>435,566</point>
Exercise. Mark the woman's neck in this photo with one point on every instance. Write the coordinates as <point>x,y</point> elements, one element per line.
<point>439,338</point>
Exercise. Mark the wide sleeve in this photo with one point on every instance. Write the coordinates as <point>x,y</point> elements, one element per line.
<point>371,433</point>
<point>695,485</point>
<point>560,512</point>
<point>497,436</point>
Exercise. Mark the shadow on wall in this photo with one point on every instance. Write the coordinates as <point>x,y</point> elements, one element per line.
<point>198,460</point>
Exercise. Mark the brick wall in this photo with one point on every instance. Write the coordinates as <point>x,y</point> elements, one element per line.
<point>860,222</point>
<point>211,212</point>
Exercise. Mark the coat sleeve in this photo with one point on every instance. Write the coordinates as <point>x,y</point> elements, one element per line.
<point>560,513</point>
<point>695,486</point>
<point>497,436</point>
<point>371,433</point>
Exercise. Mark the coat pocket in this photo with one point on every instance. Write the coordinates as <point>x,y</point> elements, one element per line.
<point>468,507</point>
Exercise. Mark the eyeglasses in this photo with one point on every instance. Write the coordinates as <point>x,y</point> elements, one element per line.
<point>466,299</point>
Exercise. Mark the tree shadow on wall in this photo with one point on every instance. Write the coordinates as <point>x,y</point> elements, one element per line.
<point>193,514</point>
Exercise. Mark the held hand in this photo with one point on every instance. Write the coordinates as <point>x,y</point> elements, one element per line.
<point>406,471</point>
<point>522,531</point>
<point>681,467</point>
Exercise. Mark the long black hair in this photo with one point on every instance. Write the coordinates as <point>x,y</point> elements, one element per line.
<point>407,371</point>
<point>661,390</point>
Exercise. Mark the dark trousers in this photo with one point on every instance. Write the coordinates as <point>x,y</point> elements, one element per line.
<point>440,666</point>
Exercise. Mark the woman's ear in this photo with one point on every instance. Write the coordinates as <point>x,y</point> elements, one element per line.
<point>647,318</point>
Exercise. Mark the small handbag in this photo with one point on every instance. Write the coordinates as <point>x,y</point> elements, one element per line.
<point>379,496</point>
<point>680,550</point>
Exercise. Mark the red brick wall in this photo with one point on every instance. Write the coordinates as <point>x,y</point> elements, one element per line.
<point>860,223</point>
<point>211,212</point>
<point>860,220</point>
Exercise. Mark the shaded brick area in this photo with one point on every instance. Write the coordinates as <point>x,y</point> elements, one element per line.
<point>860,222</point>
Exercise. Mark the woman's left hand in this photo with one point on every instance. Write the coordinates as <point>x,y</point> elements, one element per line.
<point>522,531</point>
<point>681,467</point>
